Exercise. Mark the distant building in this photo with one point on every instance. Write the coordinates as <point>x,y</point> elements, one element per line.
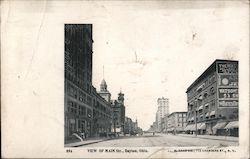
<point>118,113</point>
<point>213,100</point>
<point>176,122</point>
<point>162,111</point>
<point>128,125</point>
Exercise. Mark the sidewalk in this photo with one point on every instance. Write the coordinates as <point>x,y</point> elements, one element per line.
<point>225,138</point>
<point>77,143</point>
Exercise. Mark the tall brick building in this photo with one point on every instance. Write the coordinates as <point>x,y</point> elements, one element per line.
<point>78,78</point>
<point>213,100</point>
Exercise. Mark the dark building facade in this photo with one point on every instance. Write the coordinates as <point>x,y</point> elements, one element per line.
<point>118,114</point>
<point>78,79</point>
<point>213,100</point>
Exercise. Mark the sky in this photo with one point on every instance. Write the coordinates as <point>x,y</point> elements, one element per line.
<point>158,50</point>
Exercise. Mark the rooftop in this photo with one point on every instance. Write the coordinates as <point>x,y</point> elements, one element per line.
<point>211,68</point>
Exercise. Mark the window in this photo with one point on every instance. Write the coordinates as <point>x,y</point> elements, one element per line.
<point>212,91</point>
<point>212,104</point>
<point>89,100</point>
<point>72,107</point>
<point>82,110</point>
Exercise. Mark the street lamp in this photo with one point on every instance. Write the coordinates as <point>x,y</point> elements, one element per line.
<point>195,119</point>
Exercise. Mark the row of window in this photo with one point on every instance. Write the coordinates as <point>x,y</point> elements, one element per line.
<point>81,96</point>
<point>201,118</point>
<point>78,81</point>
<point>97,114</point>
<point>203,85</point>
<point>201,105</point>
<point>74,108</point>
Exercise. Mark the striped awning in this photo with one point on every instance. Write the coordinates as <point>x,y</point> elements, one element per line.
<point>232,124</point>
<point>220,125</point>
<point>170,129</point>
<point>190,127</point>
<point>202,126</point>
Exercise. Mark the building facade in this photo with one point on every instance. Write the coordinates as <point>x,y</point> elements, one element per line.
<point>162,112</point>
<point>118,114</point>
<point>102,111</point>
<point>86,111</point>
<point>176,122</point>
<point>128,125</point>
<point>78,79</point>
<point>213,100</point>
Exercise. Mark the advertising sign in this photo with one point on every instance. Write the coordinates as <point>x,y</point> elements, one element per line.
<point>227,67</point>
<point>228,80</point>
<point>230,103</point>
<point>228,93</point>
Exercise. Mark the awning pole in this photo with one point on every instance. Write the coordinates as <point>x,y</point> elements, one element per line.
<point>195,120</point>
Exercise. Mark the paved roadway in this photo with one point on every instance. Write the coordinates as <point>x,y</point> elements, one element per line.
<point>149,140</point>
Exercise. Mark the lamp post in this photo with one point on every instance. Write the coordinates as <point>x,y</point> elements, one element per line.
<point>195,118</point>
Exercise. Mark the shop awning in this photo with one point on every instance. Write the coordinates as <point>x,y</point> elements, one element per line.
<point>232,124</point>
<point>220,125</point>
<point>170,129</point>
<point>202,126</point>
<point>189,127</point>
<point>212,113</point>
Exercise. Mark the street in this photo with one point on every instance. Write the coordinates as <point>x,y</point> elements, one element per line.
<point>149,140</point>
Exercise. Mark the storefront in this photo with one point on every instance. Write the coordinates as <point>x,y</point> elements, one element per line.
<point>219,128</point>
<point>232,128</point>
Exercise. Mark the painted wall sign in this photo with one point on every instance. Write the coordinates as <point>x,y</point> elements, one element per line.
<point>230,103</point>
<point>228,80</point>
<point>227,68</point>
<point>228,93</point>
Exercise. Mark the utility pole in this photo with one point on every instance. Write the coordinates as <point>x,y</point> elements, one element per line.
<point>195,119</point>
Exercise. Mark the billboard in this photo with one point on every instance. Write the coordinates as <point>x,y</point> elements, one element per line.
<point>228,80</point>
<point>231,67</point>
<point>228,93</point>
<point>228,103</point>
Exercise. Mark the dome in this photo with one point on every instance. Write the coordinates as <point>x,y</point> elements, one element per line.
<point>103,86</point>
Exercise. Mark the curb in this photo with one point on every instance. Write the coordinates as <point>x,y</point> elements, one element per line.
<point>83,144</point>
<point>211,138</point>
<point>90,143</point>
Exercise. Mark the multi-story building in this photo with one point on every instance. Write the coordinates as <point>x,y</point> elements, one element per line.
<point>176,122</point>
<point>213,100</point>
<point>162,111</point>
<point>128,125</point>
<point>102,111</point>
<point>78,79</point>
<point>118,114</point>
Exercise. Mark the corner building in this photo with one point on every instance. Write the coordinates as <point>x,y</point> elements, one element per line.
<point>78,110</point>
<point>176,122</point>
<point>213,100</point>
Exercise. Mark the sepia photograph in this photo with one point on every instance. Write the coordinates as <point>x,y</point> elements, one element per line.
<point>93,118</point>
<point>125,79</point>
